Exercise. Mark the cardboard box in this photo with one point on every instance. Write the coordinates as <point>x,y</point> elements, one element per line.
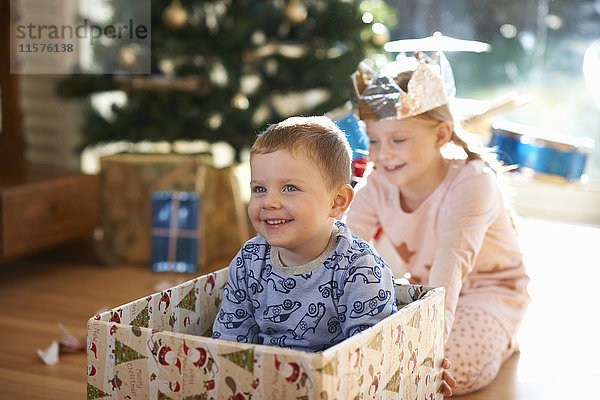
<point>152,348</point>
<point>126,186</point>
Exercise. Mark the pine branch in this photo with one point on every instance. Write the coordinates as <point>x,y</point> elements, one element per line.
<point>198,84</point>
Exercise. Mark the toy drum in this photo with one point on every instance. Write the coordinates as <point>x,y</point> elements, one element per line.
<point>532,149</point>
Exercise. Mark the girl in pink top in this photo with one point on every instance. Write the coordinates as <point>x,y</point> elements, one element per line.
<point>446,217</point>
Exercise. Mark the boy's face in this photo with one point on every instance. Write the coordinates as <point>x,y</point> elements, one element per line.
<point>291,206</point>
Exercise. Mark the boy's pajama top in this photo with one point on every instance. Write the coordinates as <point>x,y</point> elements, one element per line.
<point>347,289</point>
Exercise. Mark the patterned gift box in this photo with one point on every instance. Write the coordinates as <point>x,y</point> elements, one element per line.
<point>156,348</point>
<point>175,231</point>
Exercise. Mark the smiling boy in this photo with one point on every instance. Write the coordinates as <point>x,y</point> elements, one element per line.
<point>304,282</point>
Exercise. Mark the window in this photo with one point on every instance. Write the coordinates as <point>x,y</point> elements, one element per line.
<point>538,48</point>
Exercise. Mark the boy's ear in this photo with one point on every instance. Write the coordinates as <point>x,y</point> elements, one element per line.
<point>443,133</point>
<point>343,197</point>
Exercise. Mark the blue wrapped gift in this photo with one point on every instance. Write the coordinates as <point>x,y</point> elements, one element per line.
<point>355,133</point>
<point>175,231</point>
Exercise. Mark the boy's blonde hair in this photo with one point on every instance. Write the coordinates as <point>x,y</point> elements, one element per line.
<point>317,138</point>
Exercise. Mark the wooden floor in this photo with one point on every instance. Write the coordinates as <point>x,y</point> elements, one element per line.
<point>560,350</point>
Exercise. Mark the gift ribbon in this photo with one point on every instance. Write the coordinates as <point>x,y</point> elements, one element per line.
<point>173,232</point>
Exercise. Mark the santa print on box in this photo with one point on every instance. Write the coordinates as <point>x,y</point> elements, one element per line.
<point>175,231</point>
<point>134,353</point>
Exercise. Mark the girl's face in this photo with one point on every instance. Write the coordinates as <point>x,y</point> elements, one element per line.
<point>406,151</point>
<point>291,206</point>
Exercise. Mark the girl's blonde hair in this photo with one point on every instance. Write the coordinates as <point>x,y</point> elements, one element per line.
<point>459,136</point>
<point>317,138</point>
<point>472,152</point>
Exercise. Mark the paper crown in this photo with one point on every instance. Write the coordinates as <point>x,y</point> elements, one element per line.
<point>379,96</point>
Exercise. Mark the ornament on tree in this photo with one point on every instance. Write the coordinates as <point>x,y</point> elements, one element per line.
<point>258,38</point>
<point>295,12</point>
<point>167,66</point>
<point>250,82</point>
<point>133,58</point>
<point>381,34</point>
<point>127,58</point>
<point>175,16</point>
<point>240,101</point>
<point>271,67</point>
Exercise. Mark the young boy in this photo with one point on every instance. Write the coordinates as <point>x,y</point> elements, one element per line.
<point>304,282</point>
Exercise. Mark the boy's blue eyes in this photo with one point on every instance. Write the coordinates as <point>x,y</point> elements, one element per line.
<point>286,188</point>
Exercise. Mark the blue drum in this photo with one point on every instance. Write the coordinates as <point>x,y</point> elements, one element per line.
<point>531,148</point>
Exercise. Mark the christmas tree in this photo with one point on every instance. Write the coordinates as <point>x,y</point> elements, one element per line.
<point>330,368</point>
<point>428,361</point>
<point>189,301</point>
<point>393,384</point>
<point>243,358</point>
<point>161,396</point>
<point>124,353</point>
<point>142,319</point>
<point>415,321</point>
<point>203,396</point>
<point>376,343</point>
<point>221,70</point>
<point>94,393</point>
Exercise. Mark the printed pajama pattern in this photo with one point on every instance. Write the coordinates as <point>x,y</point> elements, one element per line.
<point>477,347</point>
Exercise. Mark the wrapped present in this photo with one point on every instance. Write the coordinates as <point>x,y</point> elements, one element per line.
<point>174,231</point>
<point>354,130</point>
<point>127,183</point>
<point>158,347</point>
<point>355,133</point>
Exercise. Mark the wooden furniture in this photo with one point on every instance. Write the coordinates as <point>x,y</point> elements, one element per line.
<point>12,144</point>
<point>41,207</point>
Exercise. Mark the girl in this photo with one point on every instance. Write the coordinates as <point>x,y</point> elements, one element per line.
<point>446,217</point>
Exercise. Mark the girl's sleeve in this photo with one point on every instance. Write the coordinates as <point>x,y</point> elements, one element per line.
<point>362,218</point>
<point>235,320</point>
<point>468,211</point>
<point>368,296</point>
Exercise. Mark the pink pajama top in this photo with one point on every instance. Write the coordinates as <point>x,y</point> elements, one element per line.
<point>460,237</point>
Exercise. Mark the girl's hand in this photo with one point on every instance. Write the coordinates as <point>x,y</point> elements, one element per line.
<point>448,381</point>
